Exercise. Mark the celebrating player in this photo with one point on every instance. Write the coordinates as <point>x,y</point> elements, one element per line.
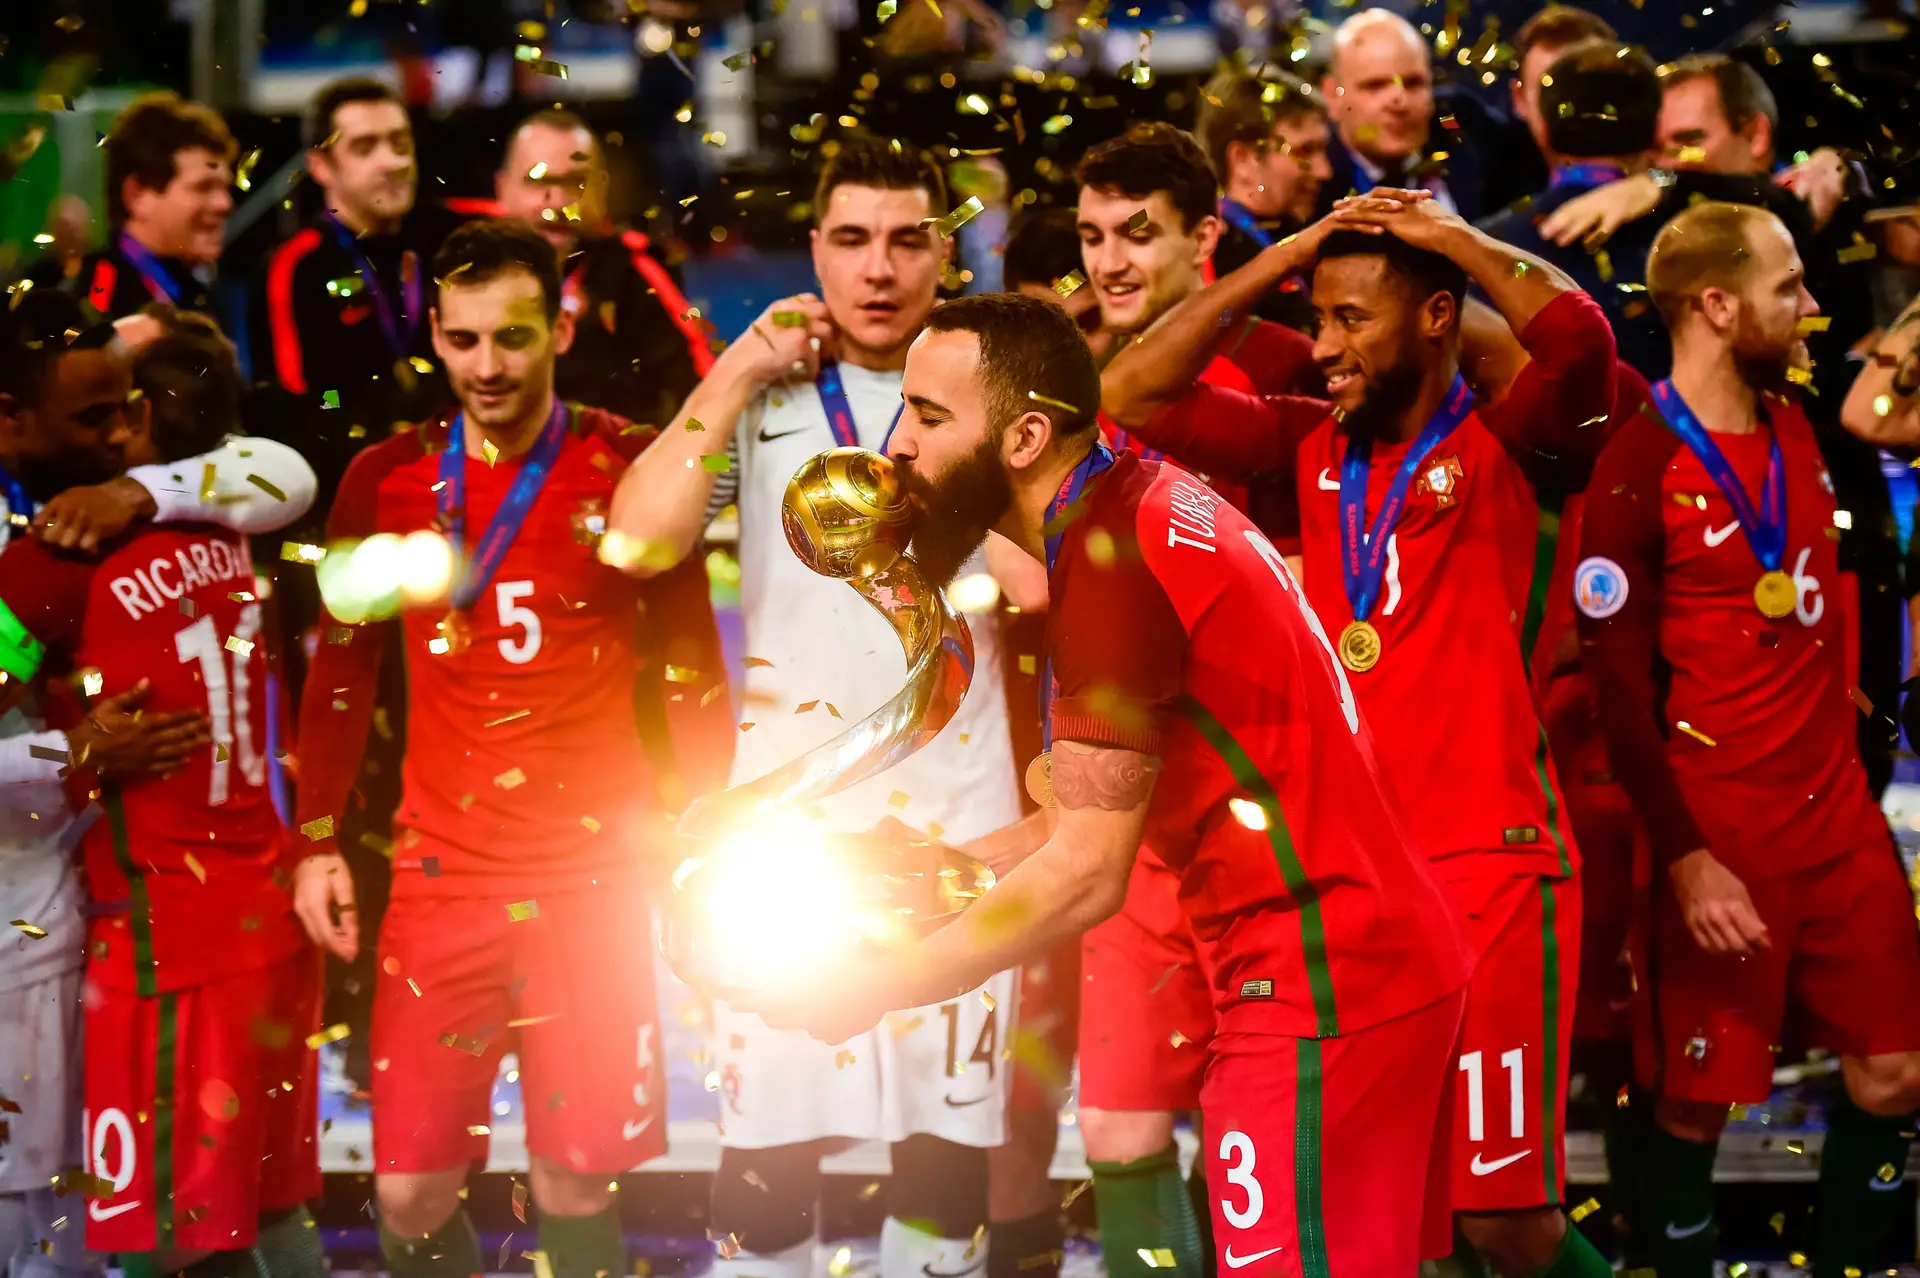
<point>517,870</point>
<point>810,373</point>
<point>1422,535</point>
<point>1709,618</point>
<point>201,990</point>
<point>169,167</point>
<point>1336,970</point>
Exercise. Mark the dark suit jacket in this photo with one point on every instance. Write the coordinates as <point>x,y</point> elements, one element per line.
<point>1489,160</point>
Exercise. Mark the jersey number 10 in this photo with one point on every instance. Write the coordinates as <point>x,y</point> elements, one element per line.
<point>229,703</point>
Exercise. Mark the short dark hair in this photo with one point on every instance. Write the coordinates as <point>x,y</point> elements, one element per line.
<point>558,118</point>
<point>1601,98</point>
<point>1426,270</point>
<point>1042,248</point>
<point>147,136</point>
<point>190,379</point>
<point>1558,26</point>
<point>482,249</point>
<point>1743,91</point>
<point>35,332</point>
<point>890,165</point>
<point>316,127</point>
<point>1032,358</point>
<point>1243,106</point>
<point>1154,157</point>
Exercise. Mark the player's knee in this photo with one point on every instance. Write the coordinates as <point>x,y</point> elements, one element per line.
<point>938,1186</point>
<point>1123,1135</point>
<point>1516,1242</point>
<point>765,1199</point>
<point>560,1191</point>
<point>1690,1120</point>
<point>1887,1086</point>
<point>1019,1183</point>
<point>414,1206</point>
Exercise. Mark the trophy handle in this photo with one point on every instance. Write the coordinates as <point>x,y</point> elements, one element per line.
<point>939,651</point>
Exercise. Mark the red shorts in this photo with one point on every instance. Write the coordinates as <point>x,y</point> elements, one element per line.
<point>233,1132</point>
<point>570,989</point>
<point>1146,1005</point>
<point>1510,1101</point>
<point>1329,1156</point>
<point>1845,954</point>
<point>1047,1029</point>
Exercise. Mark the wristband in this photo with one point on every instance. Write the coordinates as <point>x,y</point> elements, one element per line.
<point>20,653</point>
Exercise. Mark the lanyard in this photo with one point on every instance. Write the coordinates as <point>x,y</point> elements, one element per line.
<point>1235,214</point>
<point>1363,561</point>
<point>1584,175</point>
<point>19,505</point>
<point>1765,531</point>
<point>833,398</point>
<point>400,329</point>
<point>506,521</point>
<point>1072,489</point>
<point>158,279</point>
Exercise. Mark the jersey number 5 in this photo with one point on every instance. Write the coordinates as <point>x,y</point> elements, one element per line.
<point>229,699</point>
<point>507,594</point>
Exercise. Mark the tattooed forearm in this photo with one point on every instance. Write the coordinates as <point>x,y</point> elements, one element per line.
<point>1101,777</point>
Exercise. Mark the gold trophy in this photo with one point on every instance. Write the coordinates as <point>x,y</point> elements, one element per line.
<point>769,890</point>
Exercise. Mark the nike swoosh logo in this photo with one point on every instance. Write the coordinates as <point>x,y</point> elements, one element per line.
<point>631,1129</point>
<point>1237,1262</point>
<point>1327,483</point>
<point>1717,535</point>
<point>1480,1168</point>
<point>1689,1231</point>
<point>98,1212</point>
<point>954,1104</point>
<point>974,1268</point>
<point>768,439</point>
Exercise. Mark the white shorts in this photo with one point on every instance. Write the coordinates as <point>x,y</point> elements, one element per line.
<point>40,1072</point>
<point>939,1071</point>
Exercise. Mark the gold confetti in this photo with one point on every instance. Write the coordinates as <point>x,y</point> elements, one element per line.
<point>1051,402</point>
<point>1800,376</point>
<point>1055,123</point>
<point>1695,733</point>
<point>489,451</point>
<point>521,911</point>
<point>694,426</point>
<point>805,706</point>
<point>319,828</point>
<point>243,176</point>
<point>716,463</point>
<point>545,66</point>
<point>1584,1210</point>
<point>510,778</point>
<point>842,1263</point>
<point>593,826</point>
<point>1857,253</point>
<point>682,674</point>
<point>195,868</point>
<point>946,226</point>
<point>242,646</point>
<point>358,9</point>
<point>208,479</point>
<point>265,486</point>
<point>302,552</point>
<point>790,319</point>
<point>843,1058</point>
<point>479,1129</point>
<point>1028,663</point>
<point>1813,324</point>
<point>1138,221</point>
<point>70,23</point>
<point>899,798</point>
<point>1157,1257</point>
<point>331,1034</point>
<point>33,930</point>
<point>506,718</point>
<point>1070,283</point>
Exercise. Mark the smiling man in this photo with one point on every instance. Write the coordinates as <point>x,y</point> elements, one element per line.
<point>814,372</point>
<point>169,170</point>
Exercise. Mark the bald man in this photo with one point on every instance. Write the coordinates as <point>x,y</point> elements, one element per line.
<point>1394,127</point>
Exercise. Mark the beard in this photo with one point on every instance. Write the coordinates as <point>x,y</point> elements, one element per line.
<point>1387,397</point>
<point>1764,365</point>
<point>956,511</point>
<point>47,475</point>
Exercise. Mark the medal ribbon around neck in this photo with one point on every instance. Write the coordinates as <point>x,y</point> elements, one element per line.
<point>19,505</point>
<point>1235,214</point>
<point>833,398</point>
<point>158,279</point>
<point>506,521</point>
<point>1363,562</point>
<point>1765,531</point>
<point>400,328</point>
<point>1585,175</point>
<point>1054,529</point>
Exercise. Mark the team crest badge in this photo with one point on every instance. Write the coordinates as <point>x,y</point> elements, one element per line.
<point>1599,587</point>
<point>1442,479</point>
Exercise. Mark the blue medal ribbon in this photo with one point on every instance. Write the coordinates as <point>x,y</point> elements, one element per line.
<point>1235,214</point>
<point>1363,562</point>
<point>833,398</point>
<point>158,279</point>
<point>1584,175</point>
<point>506,521</point>
<point>402,327</point>
<point>1765,531</point>
<point>18,503</point>
<point>1095,464</point>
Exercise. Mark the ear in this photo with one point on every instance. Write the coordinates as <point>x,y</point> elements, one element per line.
<point>134,196</point>
<point>1720,307</point>
<point>1759,136</point>
<point>1238,155</point>
<point>563,331</point>
<point>813,247</point>
<point>319,166</point>
<point>1517,88</point>
<point>439,342</point>
<point>1439,316</point>
<point>1025,440</point>
<point>1330,90</point>
<point>1206,235</point>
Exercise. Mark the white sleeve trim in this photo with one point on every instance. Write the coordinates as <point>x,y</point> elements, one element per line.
<point>248,471</point>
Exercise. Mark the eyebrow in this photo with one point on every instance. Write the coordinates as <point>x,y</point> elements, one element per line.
<point>922,405</point>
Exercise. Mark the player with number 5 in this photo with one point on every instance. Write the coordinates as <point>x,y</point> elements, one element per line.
<point>1708,616</point>
<point>518,919</point>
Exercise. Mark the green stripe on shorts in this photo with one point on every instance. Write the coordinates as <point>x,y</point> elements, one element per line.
<point>1550,1037</point>
<point>1307,1135</point>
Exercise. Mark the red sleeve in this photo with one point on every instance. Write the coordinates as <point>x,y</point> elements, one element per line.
<point>1233,435</point>
<point>1623,535</point>
<point>47,593</point>
<point>1278,360</point>
<point>621,435</point>
<point>336,706</point>
<point>1116,644</point>
<point>1551,413</point>
<point>672,301</point>
<point>283,321</point>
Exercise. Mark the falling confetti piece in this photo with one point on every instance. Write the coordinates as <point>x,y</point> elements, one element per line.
<point>521,911</point>
<point>734,61</point>
<point>1051,402</point>
<point>506,718</point>
<point>694,426</point>
<point>1584,1210</point>
<point>1069,283</point>
<point>1695,733</point>
<point>716,463</point>
<point>842,1263</point>
<point>545,66</point>
<point>301,552</point>
<point>1138,221</point>
<point>319,828</point>
<point>33,930</point>
<point>209,477</point>
<point>510,778</point>
<point>1857,253</point>
<point>1813,324</point>
<point>593,826</point>
<point>899,798</point>
<point>1157,1257</point>
<point>267,487</point>
<point>195,868</point>
<point>459,1043</point>
<point>1800,376</point>
<point>682,674</point>
<point>946,226</point>
<point>242,646</point>
<point>489,451</point>
<point>330,399</point>
<point>843,1058</point>
<point>331,1034</point>
<point>805,706</point>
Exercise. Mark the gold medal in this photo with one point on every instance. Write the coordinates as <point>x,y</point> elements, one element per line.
<point>1040,778</point>
<point>1359,647</point>
<point>456,628</point>
<point>1775,594</point>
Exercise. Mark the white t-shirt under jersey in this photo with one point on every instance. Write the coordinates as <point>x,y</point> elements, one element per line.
<point>826,645</point>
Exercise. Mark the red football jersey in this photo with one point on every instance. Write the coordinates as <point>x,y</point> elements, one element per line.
<point>1730,731</point>
<point>1176,629</point>
<point>523,751</point>
<point>196,857</point>
<point>1449,701</point>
